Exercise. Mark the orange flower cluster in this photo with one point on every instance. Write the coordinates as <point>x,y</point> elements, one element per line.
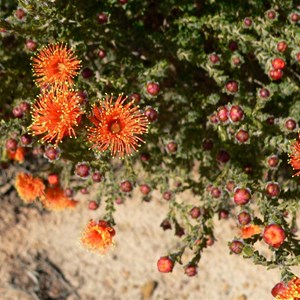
<point>54,115</point>
<point>97,236</point>
<point>55,65</point>
<point>117,127</point>
<point>249,231</point>
<point>28,187</point>
<point>294,160</point>
<point>289,291</point>
<point>55,199</point>
<point>57,110</point>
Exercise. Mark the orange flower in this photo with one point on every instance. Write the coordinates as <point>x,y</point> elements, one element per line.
<point>55,64</point>
<point>28,187</point>
<point>55,199</point>
<point>54,114</point>
<point>97,236</point>
<point>18,155</point>
<point>250,230</point>
<point>290,291</point>
<point>117,127</point>
<point>294,160</point>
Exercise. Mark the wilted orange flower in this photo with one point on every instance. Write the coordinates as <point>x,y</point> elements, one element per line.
<point>249,231</point>
<point>18,155</point>
<point>55,199</point>
<point>28,187</point>
<point>54,114</point>
<point>290,291</point>
<point>97,236</point>
<point>117,127</point>
<point>55,64</point>
<point>294,160</point>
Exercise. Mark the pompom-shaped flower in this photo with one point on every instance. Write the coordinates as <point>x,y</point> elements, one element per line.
<point>54,114</point>
<point>294,160</point>
<point>97,236</point>
<point>28,187</point>
<point>117,127</point>
<point>249,231</point>
<point>55,64</point>
<point>55,199</point>
<point>289,291</point>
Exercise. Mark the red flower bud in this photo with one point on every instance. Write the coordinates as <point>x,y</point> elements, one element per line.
<point>214,58</point>
<point>223,114</point>
<point>242,136</point>
<point>244,218</point>
<point>165,264</point>
<point>236,247</point>
<point>20,14</point>
<point>294,17</point>
<point>195,212</point>
<point>241,196</point>
<point>215,192</point>
<point>145,189</point>
<point>26,139</point>
<point>93,205</point>
<point>223,156</point>
<point>278,63</point>
<point>275,74</point>
<point>264,93</point>
<point>135,97</point>
<point>172,147</point>
<point>87,73</point>
<point>290,124</point>
<point>274,235</point>
<point>230,186</point>
<point>51,153</point>
<point>167,195</point>
<point>31,45</point>
<point>247,22</point>
<point>17,112</point>
<point>82,170</point>
<point>190,270</point>
<point>271,14</point>
<point>282,46</point>
<point>102,18</point>
<point>84,191</point>
<point>232,86</point>
<point>101,53</point>
<point>151,114</point>
<point>97,176</point>
<point>273,161</point>
<point>153,88</point>
<point>126,186</point>
<point>223,214</point>
<point>236,113</point>
<point>273,189</point>
<point>11,145</point>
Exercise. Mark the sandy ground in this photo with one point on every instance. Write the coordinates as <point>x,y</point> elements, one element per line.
<point>41,258</point>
